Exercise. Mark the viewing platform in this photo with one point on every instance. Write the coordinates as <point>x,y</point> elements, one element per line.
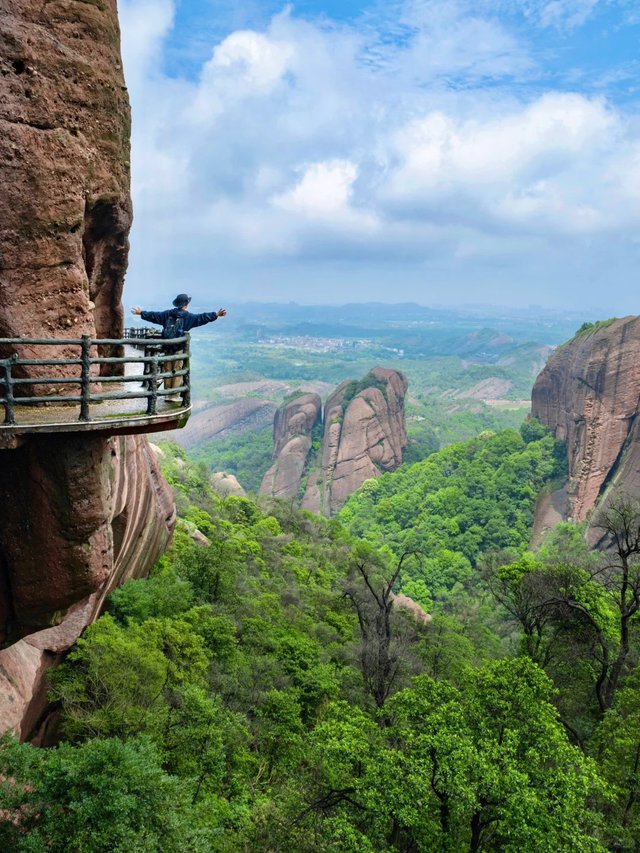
<point>114,386</point>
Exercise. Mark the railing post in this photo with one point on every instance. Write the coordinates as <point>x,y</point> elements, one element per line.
<point>152,401</point>
<point>186,395</point>
<point>9,412</point>
<point>85,378</point>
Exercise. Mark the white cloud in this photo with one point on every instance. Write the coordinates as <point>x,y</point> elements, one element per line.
<point>322,144</point>
<point>246,64</point>
<point>324,190</point>
<point>254,60</point>
<point>564,13</point>
<point>144,25</point>
<point>534,164</point>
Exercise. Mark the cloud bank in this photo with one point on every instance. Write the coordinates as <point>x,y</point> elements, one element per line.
<point>418,154</point>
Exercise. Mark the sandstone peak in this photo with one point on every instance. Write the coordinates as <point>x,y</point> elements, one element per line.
<point>362,431</point>
<point>588,394</point>
<point>293,428</point>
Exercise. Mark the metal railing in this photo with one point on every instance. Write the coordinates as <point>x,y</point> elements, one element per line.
<point>142,333</point>
<point>158,362</point>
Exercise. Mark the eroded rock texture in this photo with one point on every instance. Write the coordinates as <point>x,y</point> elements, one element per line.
<point>80,513</point>
<point>92,513</point>
<point>363,435</point>
<point>292,435</point>
<point>588,394</point>
<point>64,169</point>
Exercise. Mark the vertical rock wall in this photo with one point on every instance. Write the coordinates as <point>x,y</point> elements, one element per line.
<point>64,169</point>
<point>589,395</point>
<point>80,513</point>
<point>292,435</point>
<point>364,435</point>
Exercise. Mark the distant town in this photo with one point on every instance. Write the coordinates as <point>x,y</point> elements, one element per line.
<point>315,344</point>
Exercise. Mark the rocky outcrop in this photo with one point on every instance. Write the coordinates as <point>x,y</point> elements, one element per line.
<point>93,513</point>
<point>293,426</point>
<point>363,435</point>
<point>80,513</point>
<point>227,484</point>
<point>588,394</point>
<point>403,602</point>
<point>64,169</point>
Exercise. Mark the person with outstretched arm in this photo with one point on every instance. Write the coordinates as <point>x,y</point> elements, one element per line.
<point>176,322</point>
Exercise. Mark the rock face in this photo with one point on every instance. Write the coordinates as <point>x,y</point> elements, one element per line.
<point>588,394</point>
<point>64,169</point>
<point>80,513</point>
<point>92,513</point>
<point>363,435</point>
<point>292,436</point>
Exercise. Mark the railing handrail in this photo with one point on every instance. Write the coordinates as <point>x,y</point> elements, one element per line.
<point>158,352</point>
<point>132,341</point>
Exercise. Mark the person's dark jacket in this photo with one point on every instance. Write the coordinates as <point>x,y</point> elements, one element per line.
<point>188,321</point>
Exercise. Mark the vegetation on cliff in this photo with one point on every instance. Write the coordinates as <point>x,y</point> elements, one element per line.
<point>261,692</point>
<point>457,505</point>
<point>247,456</point>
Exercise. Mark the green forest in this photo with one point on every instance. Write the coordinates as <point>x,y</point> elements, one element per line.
<point>262,692</point>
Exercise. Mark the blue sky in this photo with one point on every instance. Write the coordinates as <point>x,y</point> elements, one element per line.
<point>440,151</point>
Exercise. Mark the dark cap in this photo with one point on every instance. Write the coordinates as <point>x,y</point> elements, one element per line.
<point>181,300</point>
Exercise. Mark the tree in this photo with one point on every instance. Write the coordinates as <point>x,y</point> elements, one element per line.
<point>616,747</point>
<point>620,577</point>
<point>575,605</point>
<point>118,680</point>
<point>486,767</point>
<point>106,796</point>
<point>382,640</point>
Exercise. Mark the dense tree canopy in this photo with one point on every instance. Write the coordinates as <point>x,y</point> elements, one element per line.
<point>263,691</point>
<point>458,504</point>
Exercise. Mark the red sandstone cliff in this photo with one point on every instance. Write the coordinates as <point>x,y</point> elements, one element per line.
<point>92,513</point>
<point>588,394</point>
<point>363,435</point>
<point>292,435</point>
<point>64,169</point>
<point>80,513</point>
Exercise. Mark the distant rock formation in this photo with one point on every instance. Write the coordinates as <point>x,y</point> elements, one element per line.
<point>589,395</point>
<point>222,420</point>
<point>363,434</point>
<point>293,426</point>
